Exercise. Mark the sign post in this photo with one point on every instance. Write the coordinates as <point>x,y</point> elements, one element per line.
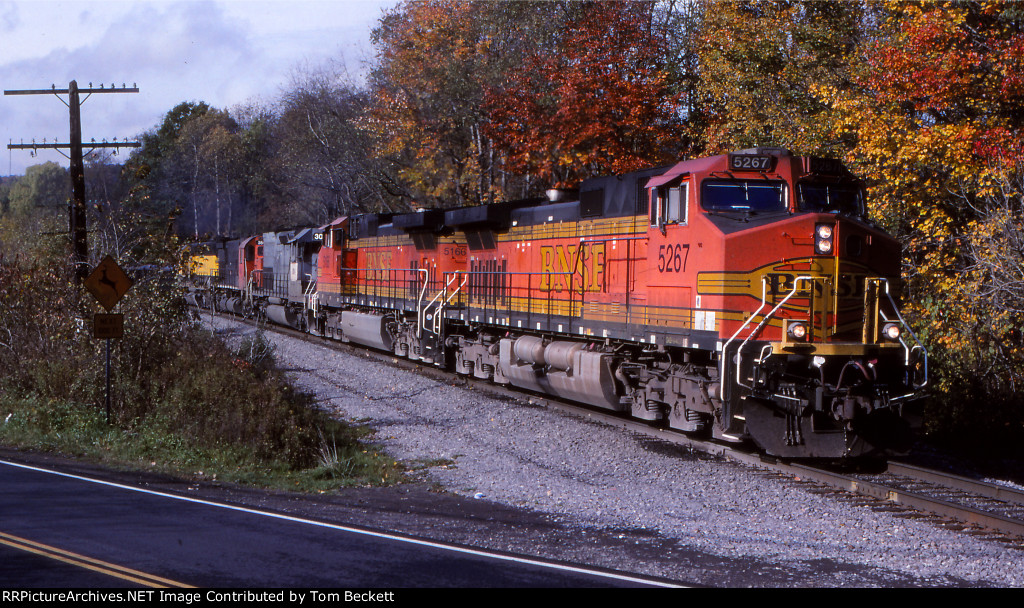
<point>108,284</point>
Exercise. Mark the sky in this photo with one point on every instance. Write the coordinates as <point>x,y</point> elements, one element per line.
<point>223,52</point>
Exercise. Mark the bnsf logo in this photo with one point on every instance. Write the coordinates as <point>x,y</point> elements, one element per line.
<point>568,263</point>
<point>781,283</point>
<point>378,263</point>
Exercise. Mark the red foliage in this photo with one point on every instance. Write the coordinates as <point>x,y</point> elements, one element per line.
<point>956,64</point>
<point>599,101</point>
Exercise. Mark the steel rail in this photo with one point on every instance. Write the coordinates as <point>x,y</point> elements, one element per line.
<point>956,482</point>
<point>912,500</point>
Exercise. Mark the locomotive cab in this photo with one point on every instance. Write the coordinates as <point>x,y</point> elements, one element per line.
<point>773,298</point>
<point>823,364</point>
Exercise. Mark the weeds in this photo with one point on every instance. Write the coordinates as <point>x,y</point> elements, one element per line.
<point>182,400</point>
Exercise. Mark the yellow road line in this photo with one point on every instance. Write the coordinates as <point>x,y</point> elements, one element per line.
<point>89,563</point>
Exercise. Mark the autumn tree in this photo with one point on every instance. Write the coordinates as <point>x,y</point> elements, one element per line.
<point>435,59</point>
<point>937,117</point>
<point>425,93</point>
<point>760,63</point>
<point>601,98</point>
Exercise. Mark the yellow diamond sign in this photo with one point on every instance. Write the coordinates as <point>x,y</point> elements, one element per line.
<point>108,283</point>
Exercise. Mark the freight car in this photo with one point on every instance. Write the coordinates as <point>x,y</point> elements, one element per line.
<point>746,295</point>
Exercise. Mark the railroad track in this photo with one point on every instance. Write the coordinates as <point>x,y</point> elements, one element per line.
<point>974,505</point>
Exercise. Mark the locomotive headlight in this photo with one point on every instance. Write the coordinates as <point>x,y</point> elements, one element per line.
<point>823,239</point>
<point>891,331</point>
<point>797,331</point>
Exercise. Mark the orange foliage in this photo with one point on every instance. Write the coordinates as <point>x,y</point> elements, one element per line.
<point>599,101</point>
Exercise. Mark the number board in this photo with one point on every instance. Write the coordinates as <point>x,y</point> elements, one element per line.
<point>751,162</point>
<point>827,166</point>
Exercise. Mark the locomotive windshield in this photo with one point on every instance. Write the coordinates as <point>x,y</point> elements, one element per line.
<point>743,195</point>
<point>830,198</point>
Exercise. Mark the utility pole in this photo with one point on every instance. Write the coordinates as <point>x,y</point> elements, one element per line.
<point>76,206</point>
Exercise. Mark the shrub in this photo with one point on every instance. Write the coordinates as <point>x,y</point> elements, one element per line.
<point>179,394</point>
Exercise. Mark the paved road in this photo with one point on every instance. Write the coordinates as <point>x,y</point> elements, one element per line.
<point>59,530</point>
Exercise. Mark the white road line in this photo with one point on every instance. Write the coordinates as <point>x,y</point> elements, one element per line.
<point>383,535</point>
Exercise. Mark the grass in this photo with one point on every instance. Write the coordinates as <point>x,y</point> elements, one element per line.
<point>183,402</point>
<point>80,431</point>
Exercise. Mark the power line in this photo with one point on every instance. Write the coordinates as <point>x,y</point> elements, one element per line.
<point>76,206</point>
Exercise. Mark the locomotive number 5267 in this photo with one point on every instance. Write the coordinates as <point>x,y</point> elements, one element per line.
<point>672,258</point>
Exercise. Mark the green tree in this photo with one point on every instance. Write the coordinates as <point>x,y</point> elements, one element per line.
<point>158,179</point>
<point>44,187</point>
<point>37,219</point>
<point>193,165</point>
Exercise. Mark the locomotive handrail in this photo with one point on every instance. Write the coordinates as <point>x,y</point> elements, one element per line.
<point>421,313</point>
<point>757,330</point>
<point>387,288</point>
<point>908,350</point>
<point>249,286</point>
<point>311,296</point>
<point>506,308</point>
<point>419,301</point>
<point>446,299</point>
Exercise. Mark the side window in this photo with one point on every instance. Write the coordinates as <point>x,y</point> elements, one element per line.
<point>669,204</point>
<point>675,212</point>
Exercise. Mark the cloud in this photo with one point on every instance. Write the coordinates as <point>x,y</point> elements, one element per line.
<point>222,53</point>
<point>9,18</point>
<point>173,52</point>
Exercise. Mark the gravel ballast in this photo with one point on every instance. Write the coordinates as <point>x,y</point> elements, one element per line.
<point>625,501</point>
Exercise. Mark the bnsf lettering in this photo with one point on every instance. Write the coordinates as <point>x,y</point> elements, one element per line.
<point>850,285</point>
<point>378,263</point>
<point>565,259</point>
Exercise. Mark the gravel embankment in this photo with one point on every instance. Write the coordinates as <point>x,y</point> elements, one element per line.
<point>685,516</point>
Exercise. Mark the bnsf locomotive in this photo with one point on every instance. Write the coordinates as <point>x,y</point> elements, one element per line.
<point>746,294</point>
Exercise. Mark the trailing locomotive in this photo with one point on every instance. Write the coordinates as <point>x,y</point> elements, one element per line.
<point>746,295</point>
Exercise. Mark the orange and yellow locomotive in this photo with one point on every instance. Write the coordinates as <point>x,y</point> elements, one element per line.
<point>746,294</point>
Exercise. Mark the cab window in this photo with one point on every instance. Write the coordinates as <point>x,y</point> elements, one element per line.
<point>668,205</point>
<point>745,195</point>
<point>830,198</point>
